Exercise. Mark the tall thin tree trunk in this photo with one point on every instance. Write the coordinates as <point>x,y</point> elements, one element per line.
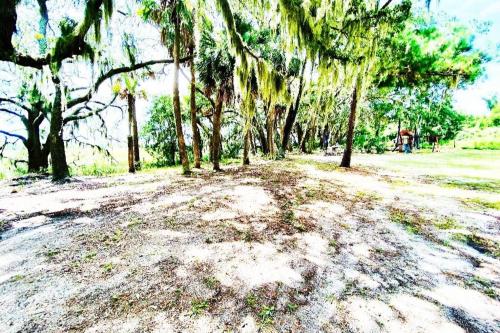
<point>270,131</point>
<point>346,159</point>
<point>130,138</point>
<point>216,139</point>
<point>246,145</point>
<point>398,136</point>
<point>194,122</point>
<point>177,105</point>
<point>292,113</point>
<point>57,151</point>
<point>135,134</point>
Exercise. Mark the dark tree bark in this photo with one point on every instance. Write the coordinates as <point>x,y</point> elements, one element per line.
<point>33,144</point>
<point>346,159</point>
<point>176,102</point>
<point>246,146</point>
<point>262,136</point>
<point>270,130</point>
<point>57,151</point>
<point>398,136</point>
<point>194,120</point>
<point>134,130</point>
<point>130,137</point>
<point>216,139</point>
<point>325,138</point>
<point>292,113</point>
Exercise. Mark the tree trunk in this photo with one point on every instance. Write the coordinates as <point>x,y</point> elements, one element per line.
<point>262,137</point>
<point>177,105</point>
<point>246,146</point>
<point>325,138</point>
<point>130,142</point>
<point>33,144</point>
<point>346,159</point>
<point>194,123</point>
<point>130,137</point>
<point>216,139</point>
<point>398,136</point>
<point>135,132</point>
<point>57,152</point>
<point>270,131</point>
<point>292,113</point>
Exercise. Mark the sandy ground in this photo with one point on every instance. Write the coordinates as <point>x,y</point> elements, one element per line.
<point>287,246</point>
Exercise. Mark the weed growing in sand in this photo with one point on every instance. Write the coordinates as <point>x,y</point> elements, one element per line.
<point>89,256</point>
<point>198,306</point>
<point>369,197</point>
<point>50,253</point>
<point>17,277</point>
<point>266,315</point>
<point>332,298</point>
<point>251,300</point>
<point>107,267</point>
<point>446,223</point>
<point>291,307</point>
<point>117,235</point>
<point>211,282</point>
<point>134,222</point>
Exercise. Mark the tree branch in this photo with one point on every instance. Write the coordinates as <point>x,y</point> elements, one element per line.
<point>13,113</point>
<point>77,116</point>
<point>18,104</point>
<point>115,71</point>
<point>14,135</point>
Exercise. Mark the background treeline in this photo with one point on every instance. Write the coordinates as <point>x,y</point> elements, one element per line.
<point>265,78</point>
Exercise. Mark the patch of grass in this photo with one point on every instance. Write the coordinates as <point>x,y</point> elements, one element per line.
<point>485,285</point>
<point>17,277</point>
<point>472,184</point>
<point>100,170</point>
<point>198,306</point>
<point>291,307</point>
<point>483,204</point>
<point>107,267</point>
<point>134,222</point>
<point>446,223</point>
<point>367,196</point>
<point>332,298</point>
<point>89,256</point>
<point>481,244</point>
<point>266,315</point>
<point>413,223</point>
<point>211,282</point>
<point>323,166</point>
<point>251,300</point>
<point>50,253</point>
<point>288,216</point>
<point>3,225</point>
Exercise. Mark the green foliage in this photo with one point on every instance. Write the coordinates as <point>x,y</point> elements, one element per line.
<point>159,132</point>
<point>198,306</point>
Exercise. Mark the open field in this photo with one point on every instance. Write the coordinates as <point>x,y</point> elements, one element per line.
<point>398,243</point>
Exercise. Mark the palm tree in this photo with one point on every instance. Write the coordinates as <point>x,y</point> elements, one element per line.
<point>215,67</point>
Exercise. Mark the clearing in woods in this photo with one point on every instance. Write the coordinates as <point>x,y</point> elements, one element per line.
<point>395,244</point>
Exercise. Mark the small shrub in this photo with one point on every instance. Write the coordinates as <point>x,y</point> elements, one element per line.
<point>198,306</point>
<point>107,267</point>
<point>266,315</point>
